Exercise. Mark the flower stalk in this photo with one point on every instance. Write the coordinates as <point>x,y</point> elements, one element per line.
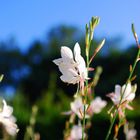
<point>74,70</point>
<point>128,80</point>
<point>88,39</point>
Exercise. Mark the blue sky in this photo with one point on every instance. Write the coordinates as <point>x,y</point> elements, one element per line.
<point>28,20</point>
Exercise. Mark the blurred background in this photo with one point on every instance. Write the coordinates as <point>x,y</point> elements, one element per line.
<point>31,34</point>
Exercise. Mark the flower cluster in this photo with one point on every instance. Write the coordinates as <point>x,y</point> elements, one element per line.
<point>122,97</point>
<point>96,105</point>
<point>8,120</point>
<point>126,93</point>
<point>74,71</point>
<point>71,66</point>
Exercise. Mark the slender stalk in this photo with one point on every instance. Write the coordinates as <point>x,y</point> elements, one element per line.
<point>85,100</point>
<point>111,125</point>
<point>88,39</point>
<point>84,123</point>
<point>85,96</point>
<point>129,78</point>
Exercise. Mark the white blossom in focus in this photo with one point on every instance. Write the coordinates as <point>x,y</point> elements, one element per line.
<point>8,120</point>
<point>72,67</point>
<point>76,132</point>
<point>129,93</point>
<point>77,107</point>
<point>97,105</point>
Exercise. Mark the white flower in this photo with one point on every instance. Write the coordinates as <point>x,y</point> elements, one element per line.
<point>77,107</point>
<point>131,134</point>
<point>73,69</point>
<point>76,132</point>
<point>97,105</point>
<point>128,94</point>
<point>8,120</point>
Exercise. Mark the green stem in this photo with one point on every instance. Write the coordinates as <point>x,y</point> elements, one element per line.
<point>111,125</point>
<point>85,96</point>
<point>85,100</point>
<point>84,123</point>
<point>129,78</point>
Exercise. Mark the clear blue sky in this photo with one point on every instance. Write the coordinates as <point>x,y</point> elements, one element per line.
<point>27,20</point>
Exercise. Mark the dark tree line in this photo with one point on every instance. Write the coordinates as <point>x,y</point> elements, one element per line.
<point>30,71</point>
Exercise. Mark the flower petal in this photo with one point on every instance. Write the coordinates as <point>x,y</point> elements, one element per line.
<point>58,61</point>
<point>76,132</point>
<point>7,110</point>
<point>66,54</point>
<point>97,105</point>
<point>117,90</point>
<point>77,49</point>
<point>130,97</point>
<point>127,90</point>
<point>80,61</point>
<point>70,77</point>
